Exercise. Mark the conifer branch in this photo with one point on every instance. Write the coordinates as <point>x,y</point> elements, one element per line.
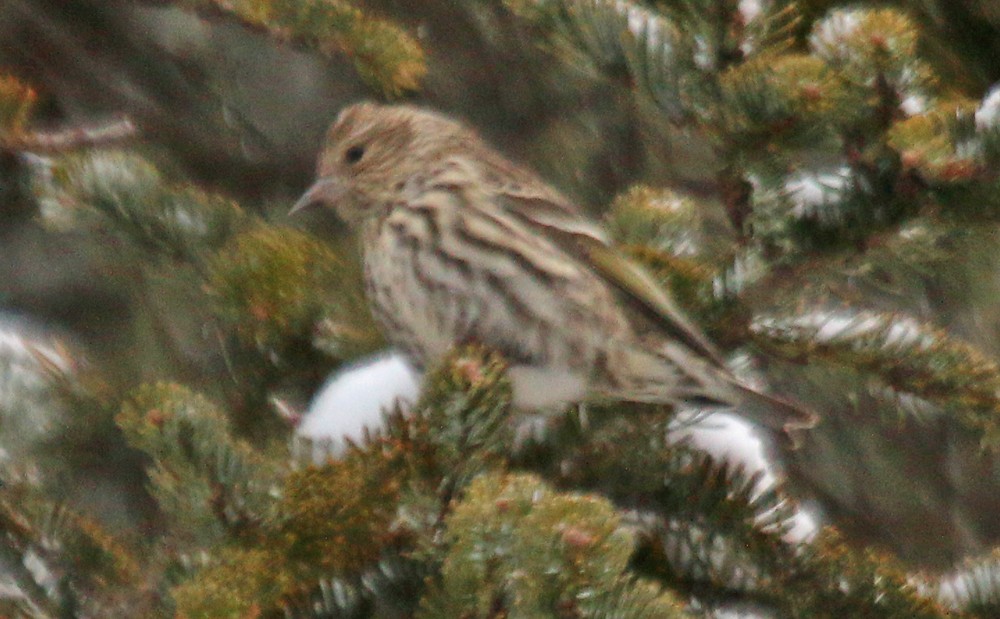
<point>386,57</point>
<point>906,356</point>
<point>208,482</point>
<point>974,588</point>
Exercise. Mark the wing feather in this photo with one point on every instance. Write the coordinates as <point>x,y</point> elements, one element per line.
<point>586,242</point>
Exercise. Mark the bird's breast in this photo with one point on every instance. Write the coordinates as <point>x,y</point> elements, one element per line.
<point>435,280</point>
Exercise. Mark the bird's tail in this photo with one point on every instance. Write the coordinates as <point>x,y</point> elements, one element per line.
<point>788,418</point>
<point>703,381</point>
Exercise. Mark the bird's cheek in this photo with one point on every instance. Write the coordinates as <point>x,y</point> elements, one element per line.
<point>350,208</point>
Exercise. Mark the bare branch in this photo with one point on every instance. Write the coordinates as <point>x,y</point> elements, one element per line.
<point>70,139</point>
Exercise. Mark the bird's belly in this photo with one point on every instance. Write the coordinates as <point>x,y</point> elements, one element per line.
<point>417,314</point>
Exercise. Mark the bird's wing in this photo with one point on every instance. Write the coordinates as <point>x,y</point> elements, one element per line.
<point>586,242</point>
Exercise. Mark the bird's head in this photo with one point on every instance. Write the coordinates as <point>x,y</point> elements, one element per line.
<point>371,151</point>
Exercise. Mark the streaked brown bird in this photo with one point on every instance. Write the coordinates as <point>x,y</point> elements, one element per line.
<point>460,245</point>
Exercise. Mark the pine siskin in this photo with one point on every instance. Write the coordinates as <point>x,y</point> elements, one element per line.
<point>460,245</point>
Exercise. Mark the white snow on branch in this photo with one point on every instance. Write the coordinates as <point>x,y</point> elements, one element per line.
<point>831,326</point>
<point>830,36</point>
<point>913,104</point>
<point>730,439</point>
<point>750,10</point>
<point>808,192</point>
<point>988,114</point>
<point>355,399</point>
<point>27,405</point>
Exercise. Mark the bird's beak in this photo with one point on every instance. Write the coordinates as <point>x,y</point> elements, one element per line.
<point>324,191</point>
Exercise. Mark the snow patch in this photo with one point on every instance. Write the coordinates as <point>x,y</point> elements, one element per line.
<point>830,36</point>
<point>750,10</point>
<point>808,191</point>
<point>354,399</point>
<point>988,114</point>
<point>730,439</point>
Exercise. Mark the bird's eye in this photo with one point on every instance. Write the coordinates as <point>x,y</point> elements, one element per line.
<point>354,154</point>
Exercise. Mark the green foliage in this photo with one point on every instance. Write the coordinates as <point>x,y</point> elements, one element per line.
<point>386,57</point>
<point>349,524</point>
<point>390,588</point>
<point>208,483</point>
<point>336,518</point>
<point>847,583</point>
<point>722,522</point>
<point>240,583</point>
<point>937,143</point>
<point>657,219</point>
<point>125,194</point>
<point>77,561</point>
<point>772,112</point>
<point>465,406</point>
<point>591,26</point>
<point>517,548</point>
<point>862,43</point>
<point>668,233</point>
<point>265,283</point>
<point>705,528</point>
<point>87,549</point>
<point>346,329</point>
<point>339,518</point>
<point>786,101</point>
<point>906,356</point>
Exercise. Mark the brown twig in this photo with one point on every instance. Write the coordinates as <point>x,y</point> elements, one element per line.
<point>70,139</point>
